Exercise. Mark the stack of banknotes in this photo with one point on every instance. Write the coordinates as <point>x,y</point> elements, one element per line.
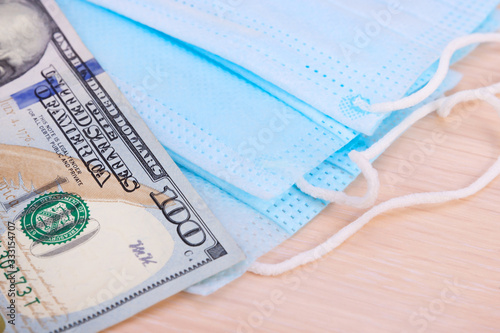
<point>97,221</point>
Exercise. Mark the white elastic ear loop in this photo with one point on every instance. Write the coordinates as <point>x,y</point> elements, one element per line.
<point>368,200</point>
<point>439,76</point>
<point>399,202</point>
<point>363,159</point>
<point>486,93</point>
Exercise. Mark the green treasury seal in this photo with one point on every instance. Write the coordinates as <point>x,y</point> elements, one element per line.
<point>55,218</point>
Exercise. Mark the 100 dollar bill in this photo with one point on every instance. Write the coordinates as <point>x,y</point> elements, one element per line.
<point>97,222</point>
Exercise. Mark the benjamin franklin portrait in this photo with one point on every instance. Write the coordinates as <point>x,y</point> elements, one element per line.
<point>25,32</point>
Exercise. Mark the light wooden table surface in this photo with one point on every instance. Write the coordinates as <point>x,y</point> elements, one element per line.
<point>434,268</point>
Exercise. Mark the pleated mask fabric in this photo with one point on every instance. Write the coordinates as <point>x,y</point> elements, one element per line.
<point>324,57</point>
<point>207,114</point>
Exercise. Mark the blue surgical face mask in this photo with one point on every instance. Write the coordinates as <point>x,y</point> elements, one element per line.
<point>199,109</point>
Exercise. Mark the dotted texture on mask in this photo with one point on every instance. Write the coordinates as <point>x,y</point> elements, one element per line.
<point>327,174</point>
<point>294,209</point>
<point>307,110</point>
<point>204,112</point>
<point>316,116</point>
<point>327,54</point>
<point>291,210</point>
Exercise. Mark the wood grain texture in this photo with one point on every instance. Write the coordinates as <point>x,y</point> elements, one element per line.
<point>433,268</point>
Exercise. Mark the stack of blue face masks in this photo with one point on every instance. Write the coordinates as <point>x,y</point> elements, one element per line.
<point>256,101</point>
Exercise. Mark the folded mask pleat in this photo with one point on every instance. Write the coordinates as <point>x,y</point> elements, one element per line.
<point>316,116</point>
